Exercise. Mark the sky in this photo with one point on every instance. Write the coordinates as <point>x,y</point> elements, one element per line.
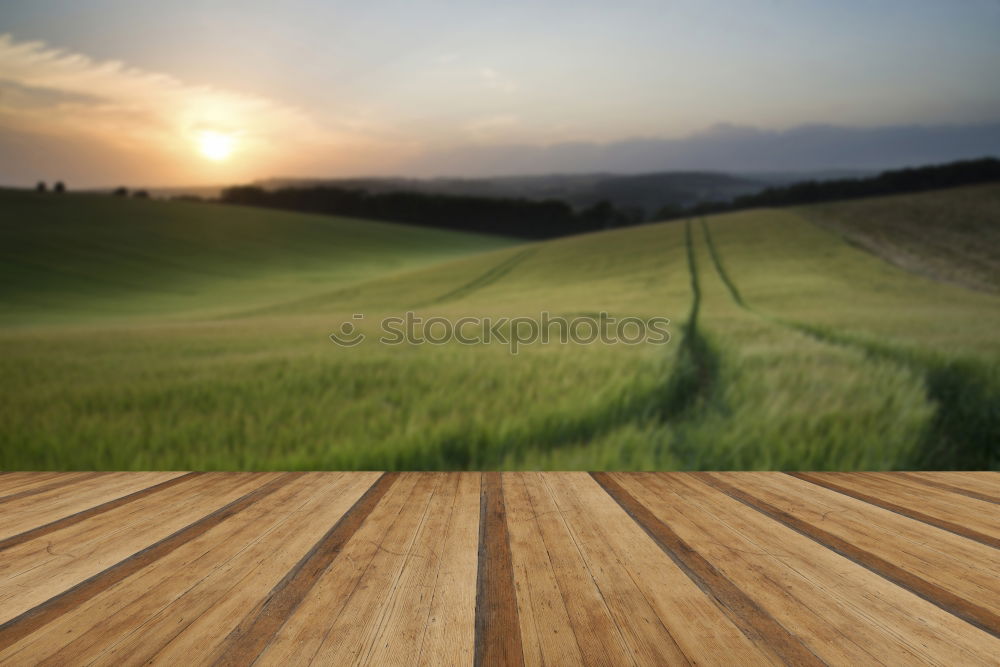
<point>106,91</point>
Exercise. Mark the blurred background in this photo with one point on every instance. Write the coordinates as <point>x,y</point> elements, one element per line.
<point>196,197</point>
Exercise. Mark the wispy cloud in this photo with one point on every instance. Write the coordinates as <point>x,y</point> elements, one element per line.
<point>48,91</point>
<point>494,80</point>
<point>490,127</point>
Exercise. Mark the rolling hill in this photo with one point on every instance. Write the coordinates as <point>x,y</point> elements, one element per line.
<point>165,335</point>
<point>929,233</point>
<point>80,257</point>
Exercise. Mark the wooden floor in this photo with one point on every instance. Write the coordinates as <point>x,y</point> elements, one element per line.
<point>499,569</point>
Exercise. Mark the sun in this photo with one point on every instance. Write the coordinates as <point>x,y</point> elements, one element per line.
<point>216,146</point>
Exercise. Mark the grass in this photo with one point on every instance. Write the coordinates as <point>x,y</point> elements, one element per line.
<point>77,258</point>
<point>954,362</point>
<point>950,236</point>
<point>782,400</point>
<point>144,334</point>
<point>795,270</point>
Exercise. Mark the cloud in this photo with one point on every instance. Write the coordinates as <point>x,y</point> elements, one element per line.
<point>494,80</point>
<point>448,58</point>
<point>490,127</point>
<point>52,93</point>
<point>20,96</point>
<point>81,95</point>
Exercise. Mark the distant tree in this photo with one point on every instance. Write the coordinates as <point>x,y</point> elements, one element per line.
<point>121,191</point>
<point>59,187</point>
<point>513,217</point>
<point>599,216</point>
<point>140,194</point>
<point>631,215</point>
<point>669,212</point>
<point>41,187</point>
<point>897,181</point>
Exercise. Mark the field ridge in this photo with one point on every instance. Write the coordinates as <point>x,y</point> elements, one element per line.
<point>492,275</point>
<point>965,429</point>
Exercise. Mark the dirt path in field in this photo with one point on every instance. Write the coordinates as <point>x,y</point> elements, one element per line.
<point>690,381</point>
<point>486,279</point>
<point>696,371</point>
<point>965,431</point>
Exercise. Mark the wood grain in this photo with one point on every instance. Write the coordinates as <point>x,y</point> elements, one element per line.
<point>979,521</point>
<point>36,617</point>
<point>58,524</point>
<point>843,612</point>
<point>981,485</point>
<point>48,485</point>
<point>533,568</point>
<point>915,567</point>
<point>12,482</point>
<point>245,643</point>
<point>498,637</point>
<point>743,610</point>
<point>61,500</point>
<point>163,604</point>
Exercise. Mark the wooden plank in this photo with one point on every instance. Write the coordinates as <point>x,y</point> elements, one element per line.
<point>460,568</point>
<point>546,631</point>
<point>257,629</point>
<point>131,622</point>
<point>75,495</point>
<point>349,637</point>
<point>17,477</point>
<point>41,579</point>
<point>963,516</point>
<point>57,483</point>
<point>598,636</point>
<point>845,613</point>
<point>664,616</point>
<point>15,482</point>
<point>498,636</point>
<point>335,618</point>
<point>58,524</point>
<point>955,573</point>
<point>977,486</point>
<point>298,535</point>
<point>593,589</point>
<point>742,610</point>
<point>643,636</point>
<point>449,638</point>
<point>400,634</point>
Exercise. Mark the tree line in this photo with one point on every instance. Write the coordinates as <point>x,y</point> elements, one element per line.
<point>509,217</point>
<point>898,181</point>
<point>547,219</point>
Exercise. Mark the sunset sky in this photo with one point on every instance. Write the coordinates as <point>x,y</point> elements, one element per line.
<point>101,92</point>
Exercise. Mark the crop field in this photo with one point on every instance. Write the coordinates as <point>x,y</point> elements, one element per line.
<point>165,335</point>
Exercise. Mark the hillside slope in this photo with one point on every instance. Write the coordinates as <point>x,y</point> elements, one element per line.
<point>790,349</point>
<point>949,235</point>
<point>82,257</point>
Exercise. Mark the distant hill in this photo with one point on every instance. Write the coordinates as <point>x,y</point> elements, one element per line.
<point>726,148</point>
<point>647,193</point>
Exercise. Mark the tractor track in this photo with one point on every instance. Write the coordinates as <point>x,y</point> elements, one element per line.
<point>965,430</point>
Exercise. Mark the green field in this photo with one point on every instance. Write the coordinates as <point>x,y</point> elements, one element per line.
<point>145,334</point>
